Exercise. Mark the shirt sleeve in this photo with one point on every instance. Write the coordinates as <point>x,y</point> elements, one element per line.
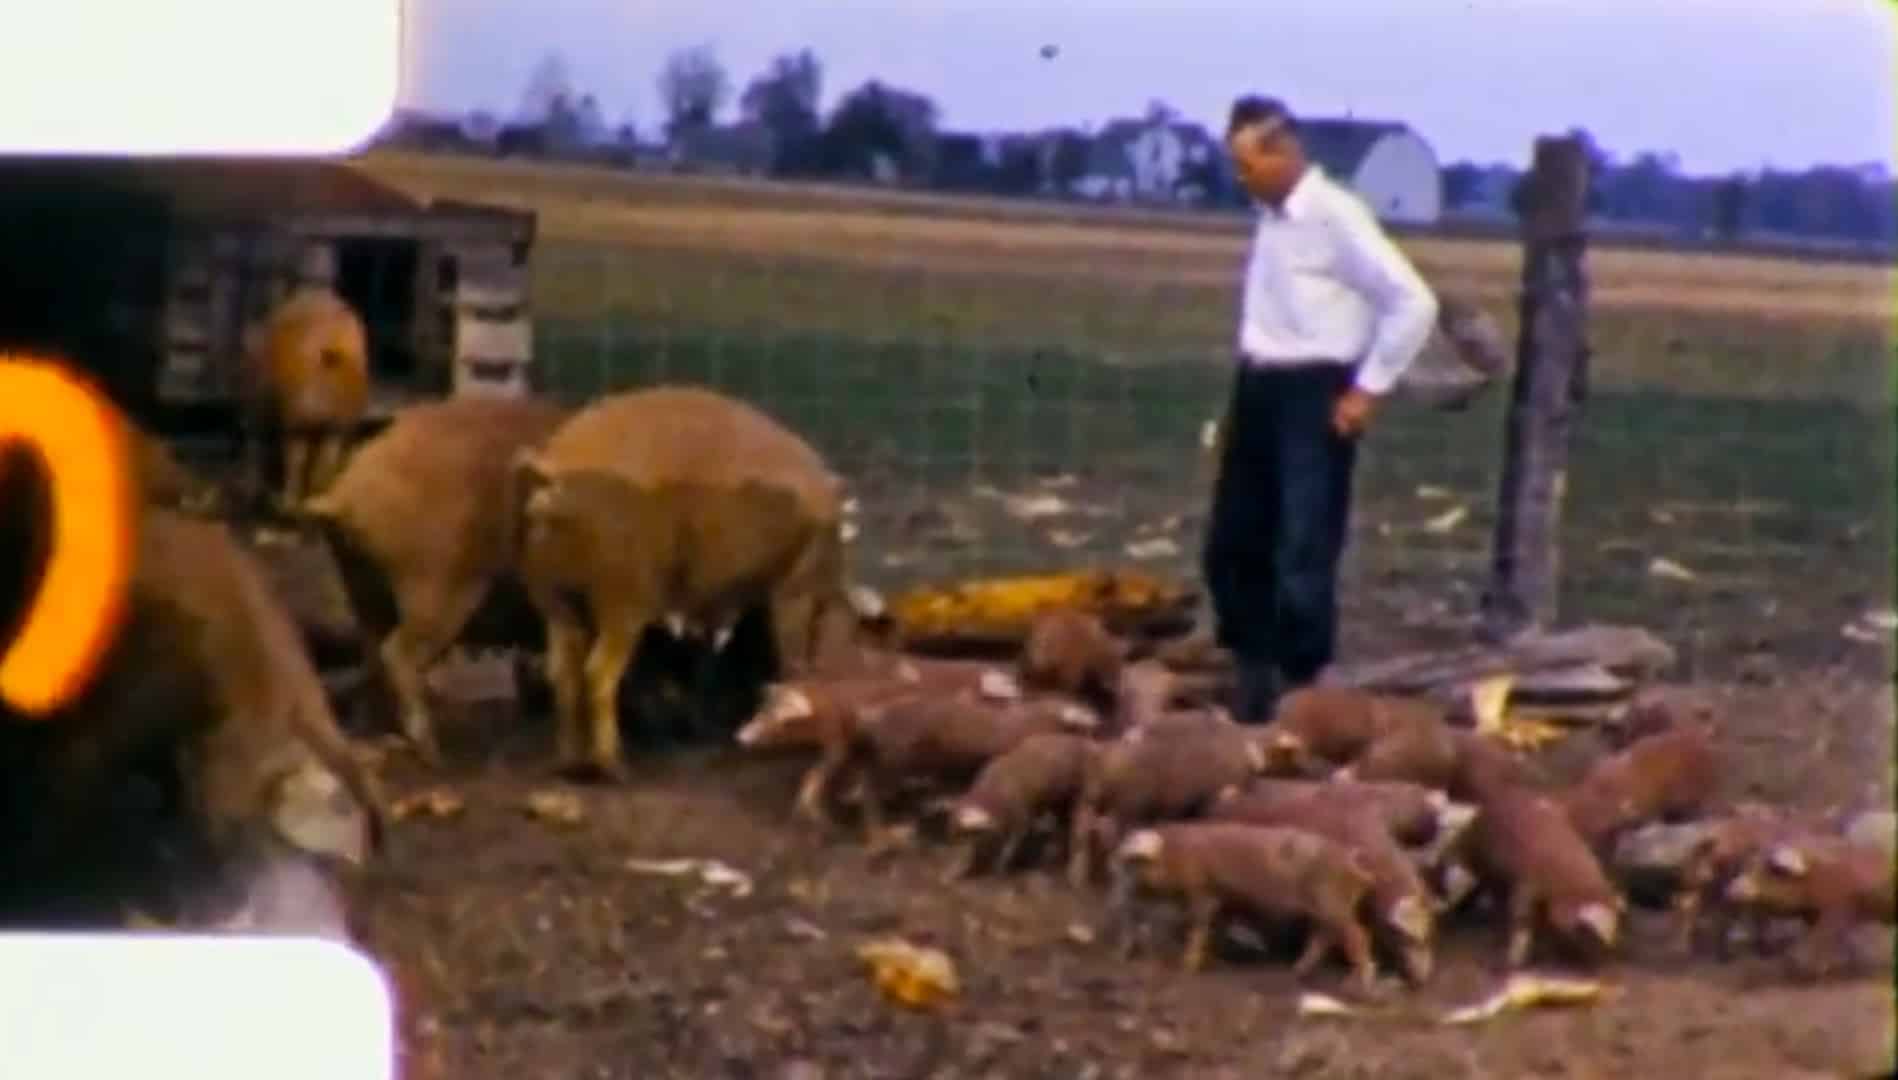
<point>1406,308</point>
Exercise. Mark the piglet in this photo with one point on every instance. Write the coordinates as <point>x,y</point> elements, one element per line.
<point>1318,725</point>
<point>1522,844</point>
<point>946,738</point>
<point>1259,870</point>
<point>1665,776</point>
<point>1169,767</point>
<point>1828,881</point>
<point>1405,911</point>
<point>1412,813</point>
<point>1041,774</point>
<point>1716,858</point>
<point>820,714</point>
<point>1071,652</point>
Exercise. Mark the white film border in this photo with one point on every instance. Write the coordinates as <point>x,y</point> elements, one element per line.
<point>208,1006</point>
<point>263,77</point>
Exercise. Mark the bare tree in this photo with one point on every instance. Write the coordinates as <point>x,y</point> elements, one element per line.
<point>693,87</point>
<point>550,82</point>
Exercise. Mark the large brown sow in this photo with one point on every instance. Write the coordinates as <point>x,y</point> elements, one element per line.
<point>420,524</point>
<point>207,692</point>
<point>671,499</point>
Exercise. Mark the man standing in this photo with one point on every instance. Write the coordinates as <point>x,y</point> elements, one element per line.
<point>1331,315</point>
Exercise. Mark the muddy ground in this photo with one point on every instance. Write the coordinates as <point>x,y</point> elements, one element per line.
<point>524,947</point>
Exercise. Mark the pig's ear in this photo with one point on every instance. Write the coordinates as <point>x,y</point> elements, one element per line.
<point>1787,860</point>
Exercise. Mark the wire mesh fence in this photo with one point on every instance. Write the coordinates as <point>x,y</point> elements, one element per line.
<point>1003,409</point>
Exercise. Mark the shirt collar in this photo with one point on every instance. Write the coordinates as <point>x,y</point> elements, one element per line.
<point>1299,201</point>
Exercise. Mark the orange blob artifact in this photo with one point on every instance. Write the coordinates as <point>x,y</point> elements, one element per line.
<point>83,444</point>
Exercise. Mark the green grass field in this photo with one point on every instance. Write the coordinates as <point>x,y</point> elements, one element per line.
<point>948,354</point>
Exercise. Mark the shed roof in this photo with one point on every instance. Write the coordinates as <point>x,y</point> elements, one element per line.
<point>223,187</point>
<point>1340,146</point>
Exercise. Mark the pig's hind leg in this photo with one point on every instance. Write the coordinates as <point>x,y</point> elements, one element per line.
<point>433,615</point>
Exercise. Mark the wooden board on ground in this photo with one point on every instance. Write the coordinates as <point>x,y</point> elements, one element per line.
<point>1586,664</point>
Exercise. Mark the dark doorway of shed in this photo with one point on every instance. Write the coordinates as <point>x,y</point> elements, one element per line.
<point>377,276</point>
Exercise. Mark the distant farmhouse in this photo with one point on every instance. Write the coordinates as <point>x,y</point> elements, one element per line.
<point>1162,159</point>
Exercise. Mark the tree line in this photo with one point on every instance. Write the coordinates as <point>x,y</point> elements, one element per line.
<point>880,131</point>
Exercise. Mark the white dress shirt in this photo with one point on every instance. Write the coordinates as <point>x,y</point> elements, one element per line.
<point>1323,282</point>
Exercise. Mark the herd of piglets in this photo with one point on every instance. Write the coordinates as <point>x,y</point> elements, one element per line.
<point>1367,817</point>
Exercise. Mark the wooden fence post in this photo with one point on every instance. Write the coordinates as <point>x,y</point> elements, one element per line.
<point>1550,382</point>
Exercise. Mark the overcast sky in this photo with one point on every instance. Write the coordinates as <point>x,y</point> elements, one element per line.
<point>1724,83</point>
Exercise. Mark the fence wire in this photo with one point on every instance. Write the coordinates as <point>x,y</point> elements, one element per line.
<point>1731,483</point>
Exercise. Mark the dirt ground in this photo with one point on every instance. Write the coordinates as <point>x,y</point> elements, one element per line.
<point>522,947</point>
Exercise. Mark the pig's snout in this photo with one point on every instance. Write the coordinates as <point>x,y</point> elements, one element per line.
<point>314,812</point>
<point>973,819</point>
<point>1412,918</point>
<point>1453,818</point>
<point>1457,883</point>
<point>1602,920</point>
<point>1079,718</point>
<point>1142,846</point>
<point>999,686</point>
<point>1788,860</point>
<point>1744,888</point>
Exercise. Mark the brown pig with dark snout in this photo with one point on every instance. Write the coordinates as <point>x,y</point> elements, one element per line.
<point>1828,881</point>
<point>1665,776</point>
<point>1169,767</point>
<point>946,738</point>
<point>1523,845</point>
<point>1041,774</point>
<point>1071,652</point>
<point>1405,911</point>
<point>1261,870</point>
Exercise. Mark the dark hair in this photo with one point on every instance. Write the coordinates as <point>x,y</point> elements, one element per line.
<point>1250,109</point>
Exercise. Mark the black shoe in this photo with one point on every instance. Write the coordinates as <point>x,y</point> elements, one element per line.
<point>1258,692</point>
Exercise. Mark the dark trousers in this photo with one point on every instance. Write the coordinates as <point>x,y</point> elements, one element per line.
<point>1280,510</point>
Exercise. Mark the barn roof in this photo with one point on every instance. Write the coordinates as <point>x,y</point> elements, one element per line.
<point>1340,146</point>
<point>221,187</point>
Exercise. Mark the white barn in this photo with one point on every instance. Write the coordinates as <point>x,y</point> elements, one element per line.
<point>1390,166</point>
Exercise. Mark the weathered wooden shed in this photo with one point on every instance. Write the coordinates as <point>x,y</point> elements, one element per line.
<point>147,271</point>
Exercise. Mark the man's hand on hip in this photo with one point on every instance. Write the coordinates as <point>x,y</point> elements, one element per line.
<point>1351,413</point>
